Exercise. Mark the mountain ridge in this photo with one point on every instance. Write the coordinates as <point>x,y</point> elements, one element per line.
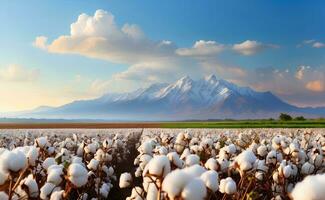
<point>183,99</point>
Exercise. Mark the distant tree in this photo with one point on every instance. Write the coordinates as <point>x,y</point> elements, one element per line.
<point>285,117</point>
<point>271,119</point>
<point>300,118</point>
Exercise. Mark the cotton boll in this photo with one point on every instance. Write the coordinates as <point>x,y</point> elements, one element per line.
<point>4,196</point>
<point>312,187</point>
<point>144,160</point>
<point>259,175</point>
<point>224,164</point>
<point>231,149</point>
<point>174,183</point>
<point>13,160</point>
<point>77,174</point>
<point>194,190</point>
<point>46,190</point>
<point>91,148</point>
<point>32,186</point>
<point>136,194</point>
<point>3,177</point>
<point>262,151</point>
<point>57,195</point>
<point>194,170</point>
<point>41,142</point>
<point>210,179</point>
<point>32,155</point>
<point>211,164</point>
<point>48,162</point>
<point>125,180</point>
<point>93,164</point>
<point>152,192</point>
<point>158,166</point>
<point>175,160</point>
<point>55,174</point>
<point>146,147</point>
<point>192,160</point>
<point>246,160</point>
<point>185,153</point>
<point>287,170</point>
<point>104,190</point>
<point>227,186</point>
<point>307,168</point>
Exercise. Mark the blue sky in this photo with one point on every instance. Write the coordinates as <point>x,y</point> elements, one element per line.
<point>284,50</point>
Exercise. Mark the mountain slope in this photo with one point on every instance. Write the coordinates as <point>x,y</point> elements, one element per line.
<point>207,98</point>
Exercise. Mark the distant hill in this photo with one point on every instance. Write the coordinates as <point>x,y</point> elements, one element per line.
<point>207,98</point>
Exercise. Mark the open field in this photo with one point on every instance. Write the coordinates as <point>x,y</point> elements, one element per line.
<point>161,164</point>
<point>320,123</point>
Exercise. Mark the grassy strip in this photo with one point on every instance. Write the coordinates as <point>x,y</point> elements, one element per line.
<point>247,124</point>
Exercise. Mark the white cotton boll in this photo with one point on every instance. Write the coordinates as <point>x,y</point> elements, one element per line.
<point>307,168</point>
<point>41,142</point>
<point>246,160</point>
<point>125,180</point>
<point>158,166</point>
<point>144,160</point>
<point>287,170</point>
<point>48,162</point>
<point>262,150</point>
<point>93,164</point>
<point>55,174</point>
<point>185,153</point>
<point>104,190</point>
<point>312,187</point>
<point>228,186</point>
<point>46,190</point>
<point>32,155</point>
<point>50,150</point>
<point>210,179</point>
<point>152,192</point>
<point>32,186</point>
<point>3,176</point>
<point>259,175</point>
<point>77,174</point>
<point>57,195</point>
<point>136,194</point>
<point>192,159</point>
<point>13,160</point>
<point>194,190</point>
<point>224,164</point>
<point>91,148</point>
<point>174,183</point>
<point>163,151</point>
<point>231,149</point>
<point>4,196</point>
<point>76,159</point>
<point>194,170</point>
<point>138,172</point>
<point>211,164</point>
<point>175,160</point>
<point>146,147</point>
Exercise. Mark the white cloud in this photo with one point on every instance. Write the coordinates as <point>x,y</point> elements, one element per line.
<point>318,45</point>
<point>312,43</point>
<point>40,42</point>
<point>202,48</point>
<point>98,36</point>
<point>251,47</point>
<point>18,73</point>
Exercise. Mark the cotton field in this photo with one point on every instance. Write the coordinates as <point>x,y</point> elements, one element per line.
<point>162,164</point>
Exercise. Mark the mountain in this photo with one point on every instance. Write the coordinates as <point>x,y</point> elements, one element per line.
<point>207,98</point>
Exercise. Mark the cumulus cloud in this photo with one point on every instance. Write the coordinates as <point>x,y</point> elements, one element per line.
<point>312,43</point>
<point>202,48</point>
<point>316,86</point>
<point>251,47</point>
<point>100,37</point>
<point>18,73</point>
